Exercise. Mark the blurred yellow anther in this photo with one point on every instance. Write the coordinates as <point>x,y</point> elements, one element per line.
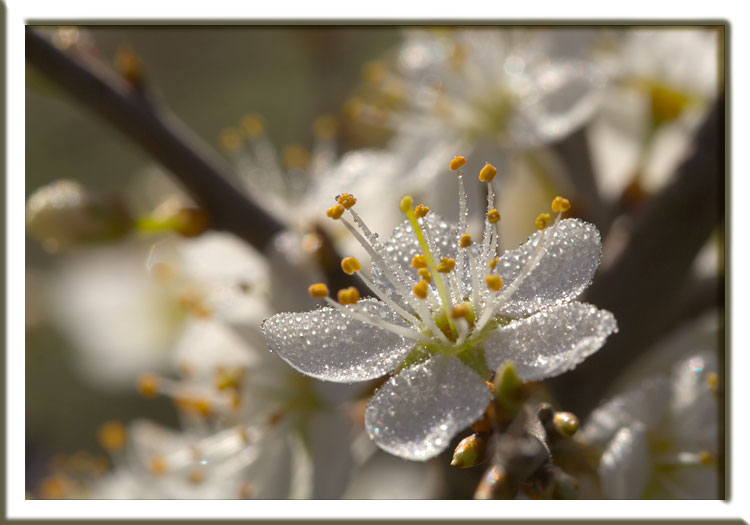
<point>295,156</point>
<point>228,379</point>
<point>712,380</point>
<point>493,216</point>
<point>487,173</point>
<point>335,212</point>
<point>163,272</point>
<point>318,290</point>
<point>246,490</point>
<point>129,65</point>
<point>55,486</point>
<point>347,200</point>
<point>493,263</point>
<point>325,127</point>
<point>706,458</point>
<point>560,204</point>
<point>195,405</point>
<point>406,203</point>
<point>494,282</point>
<point>456,163</point>
<point>424,273</point>
<point>350,265</point>
<point>542,221</point>
<point>252,126</point>
<point>157,466</point>
<point>420,289</point>
<point>446,265</point>
<point>230,139</point>
<point>421,210</point>
<point>196,476</point>
<point>112,436</point>
<point>460,311</point>
<point>419,261</point>
<point>465,241</point>
<point>348,295</point>
<point>374,72</point>
<point>148,385</point>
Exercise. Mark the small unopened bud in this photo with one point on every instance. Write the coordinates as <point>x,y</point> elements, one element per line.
<point>566,424</point>
<point>64,214</point>
<point>508,392</point>
<point>471,450</point>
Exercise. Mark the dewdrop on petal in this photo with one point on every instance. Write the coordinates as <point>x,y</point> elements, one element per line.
<point>463,322</point>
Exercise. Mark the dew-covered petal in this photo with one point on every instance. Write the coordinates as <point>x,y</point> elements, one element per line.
<point>550,342</point>
<point>416,413</point>
<point>403,245</point>
<point>646,403</point>
<point>563,272</point>
<point>328,345</point>
<point>625,466</point>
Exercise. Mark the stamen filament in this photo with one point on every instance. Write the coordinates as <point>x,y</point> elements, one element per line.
<point>446,303</point>
<point>380,323</point>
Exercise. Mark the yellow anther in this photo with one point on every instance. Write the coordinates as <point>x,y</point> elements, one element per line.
<point>318,290</point>
<point>406,203</point>
<point>196,476</point>
<point>446,265</point>
<point>560,204</point>
<point>420,289</point>
<point>348,295</point>
<point>421,210</point>
<point>252,126</point>
<point>712,380</point>
<point>148,385</point>
<point>373,72</point>
<point>55,486</point>
<point>163,272</point>
<point>493,263</point>
<point>112,436</point>
<point>350,265</point>
<point>706,458</point>
<point>494,282</point>
<point>230,139</point>
<point>487,173</point>
<point>129,64</point>
<point>325,127</point>
<point>347,200</point>
<point>456,163</point>
<point>195,405</point>
<point>335,212</point>
<point>228,379</point>
<point>246,490</point>
<point>542,221</point>
<point>419,261</point>
<point>424,273</point>
<point>295,156</point>
<point>493,216</point>
<point>465,241</point>
<point>157,466</point>
<point>460,311</point>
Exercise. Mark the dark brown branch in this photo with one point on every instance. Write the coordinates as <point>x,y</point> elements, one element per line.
<point>161,134</point>
<point>643,287</point>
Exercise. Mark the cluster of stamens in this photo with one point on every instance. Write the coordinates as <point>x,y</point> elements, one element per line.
<point>442,309</point>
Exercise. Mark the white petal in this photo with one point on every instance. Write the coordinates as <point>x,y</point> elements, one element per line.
<point>557,98</point>
<point>625,466</point>
<point>330,444</point>
<point>327,345</point>
<point>416,413</point>
<point>384,476</point>
<point>550,342</point>
<point>646,404</point>
<point>206,345</point>
<point>572,256</point>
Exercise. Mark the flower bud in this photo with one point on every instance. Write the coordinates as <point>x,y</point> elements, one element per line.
<point>64,214</point>
<point>471,451</point>
<point>495,484</point>
<point>508,392</point>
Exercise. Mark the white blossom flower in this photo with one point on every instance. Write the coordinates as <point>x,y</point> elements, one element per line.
<point>660,438</point>
<point>448,312</point>
<point>663,82</point>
